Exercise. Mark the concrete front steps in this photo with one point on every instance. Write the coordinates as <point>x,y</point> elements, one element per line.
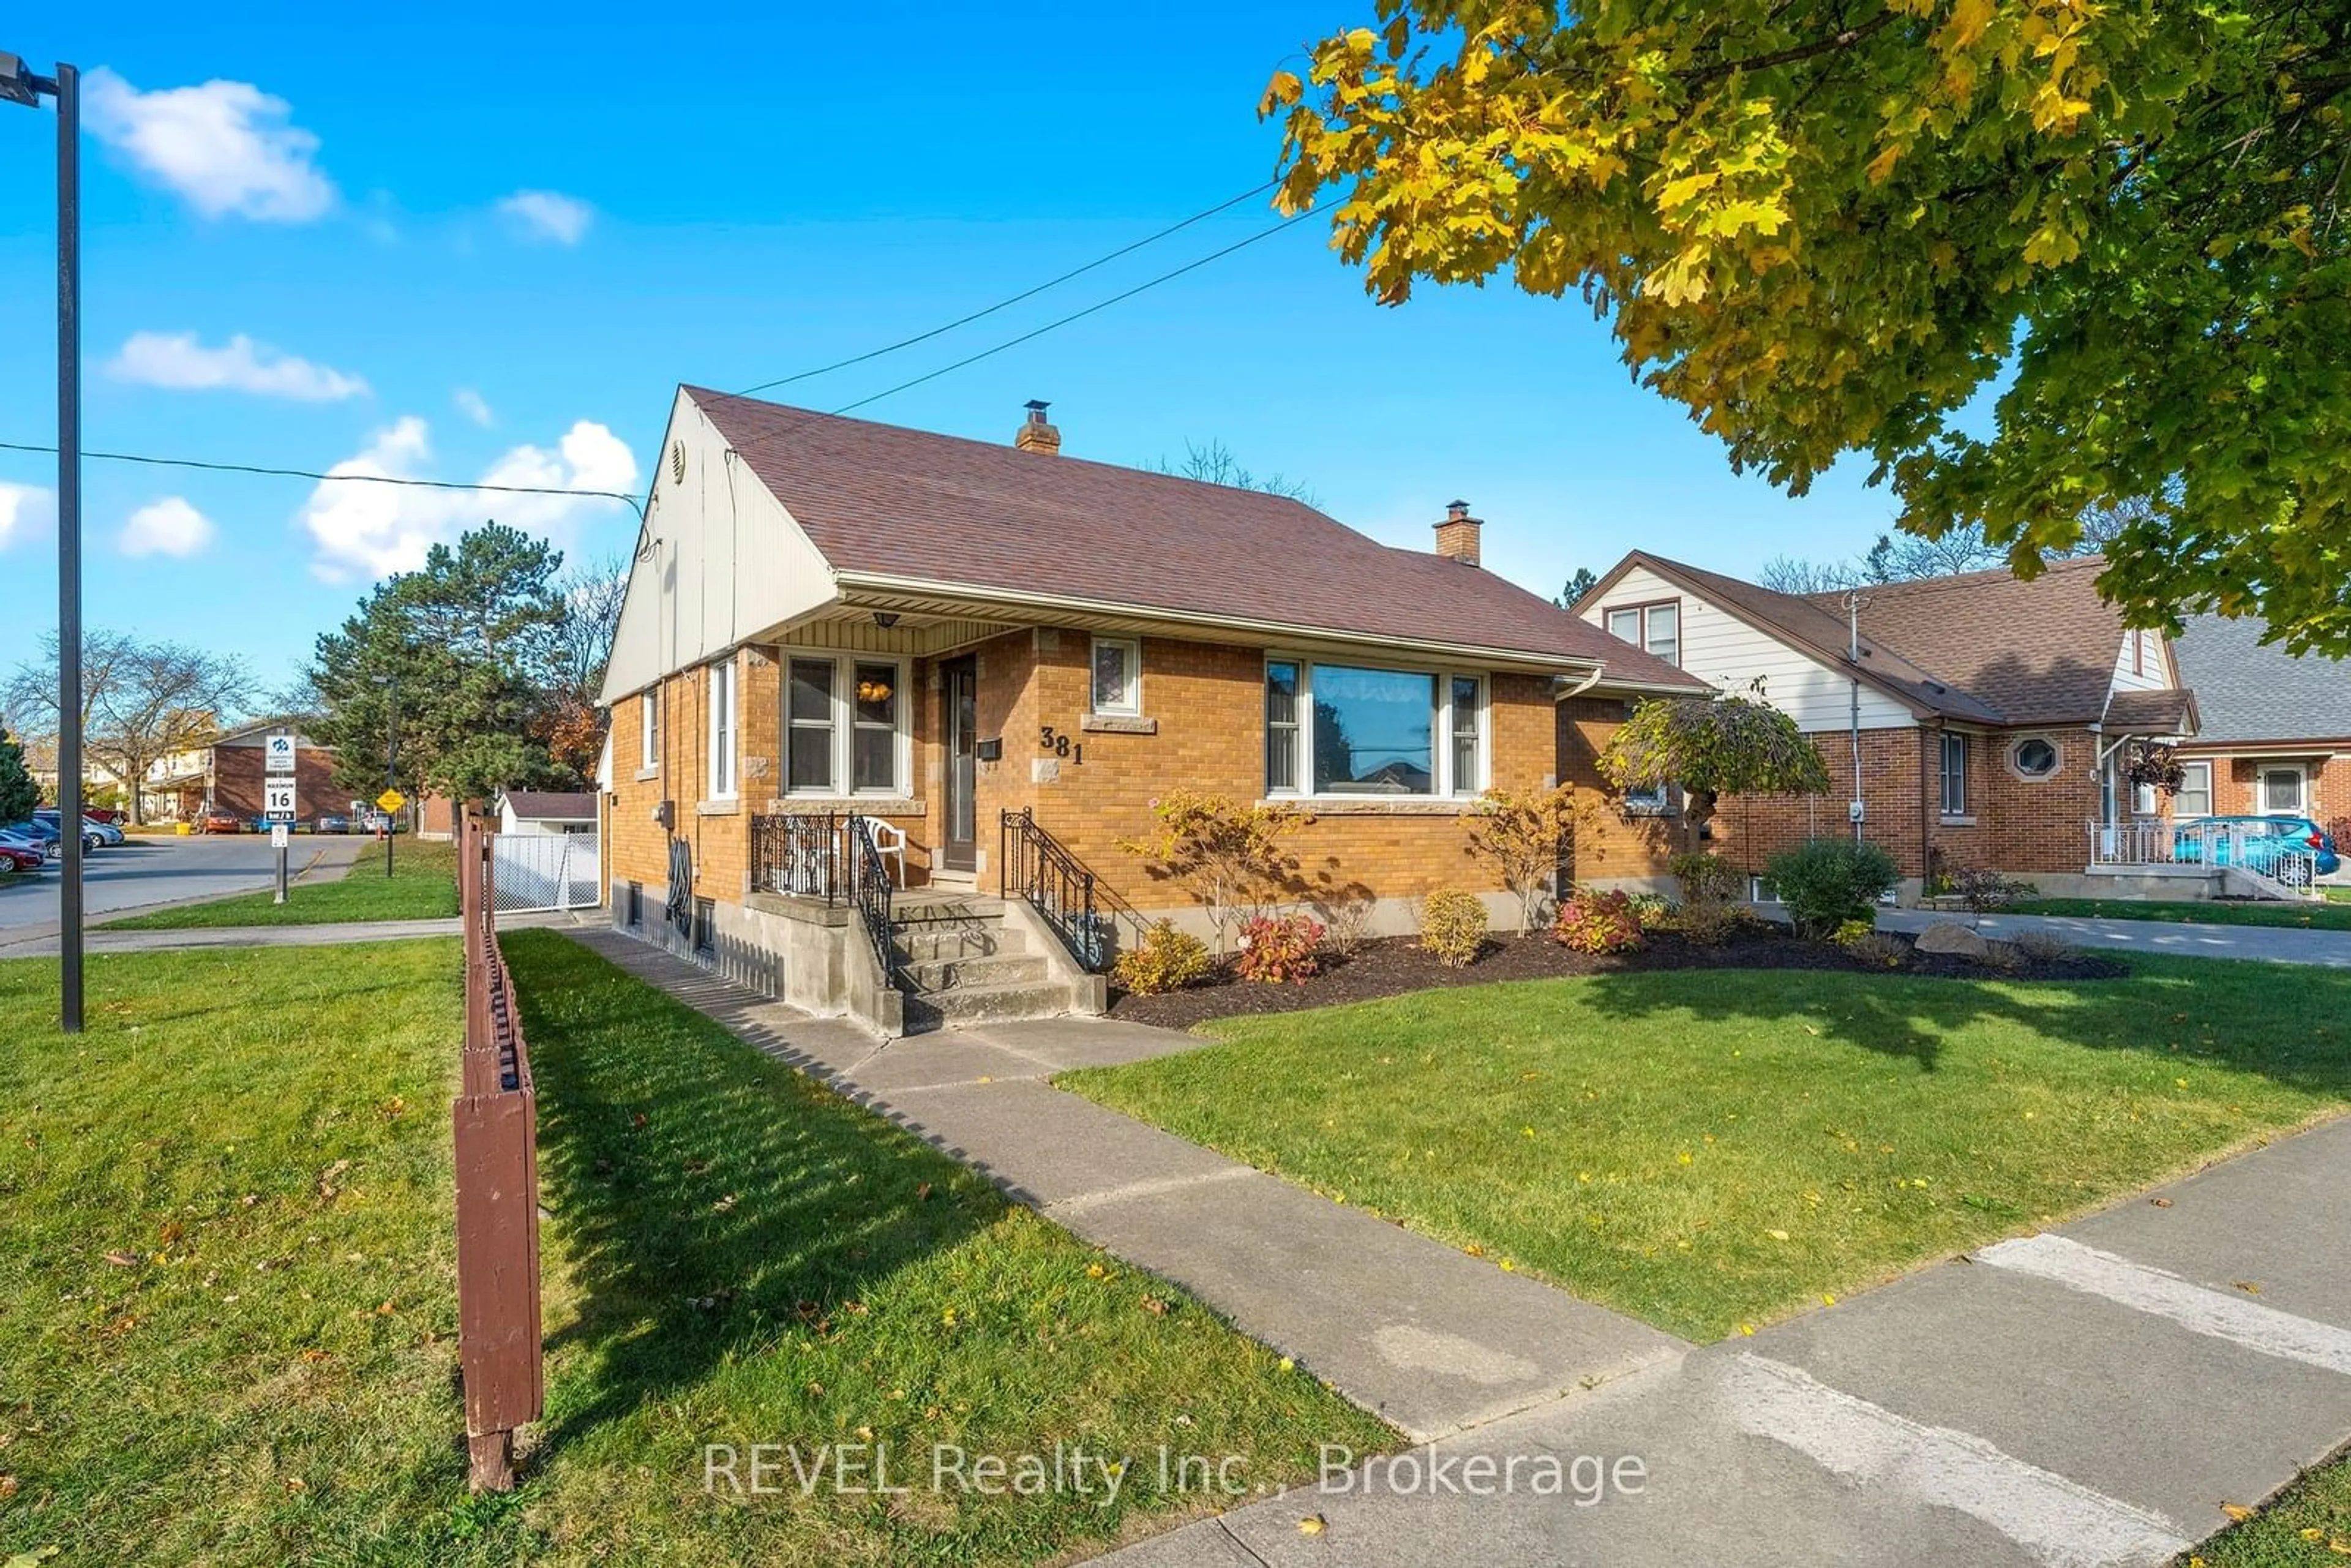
<point>965,960</point>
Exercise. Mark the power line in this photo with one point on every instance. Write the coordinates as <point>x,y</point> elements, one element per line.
<point>1079,315</point>
<point>1010,300</point>
<point>273,471</point>
<point>267,471</point>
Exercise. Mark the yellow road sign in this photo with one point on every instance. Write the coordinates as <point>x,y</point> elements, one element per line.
<point>392,800</point>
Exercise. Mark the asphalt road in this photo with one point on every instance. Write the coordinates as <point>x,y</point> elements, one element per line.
<point>144,871</point>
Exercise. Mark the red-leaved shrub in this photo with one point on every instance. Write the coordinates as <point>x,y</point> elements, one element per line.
<point>1275,948</point>
<point>1599,923</point>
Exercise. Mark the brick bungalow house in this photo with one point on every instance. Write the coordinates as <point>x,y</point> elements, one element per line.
<point>229,775</point>
<point>1981,721</point>
<point>996,658</point>
<point>2276,735</point>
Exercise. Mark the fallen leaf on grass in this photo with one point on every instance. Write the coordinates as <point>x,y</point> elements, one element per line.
<point>123,1259</point>
<point>2236,1511</point>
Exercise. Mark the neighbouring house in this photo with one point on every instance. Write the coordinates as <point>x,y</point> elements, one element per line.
<point>997,658</point>
<point>2276,735</point>
<point>1975,722</point>
<point>228,775</point>
<point>546,813</point>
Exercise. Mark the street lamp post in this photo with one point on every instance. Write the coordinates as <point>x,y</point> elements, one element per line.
<point>19,85</point>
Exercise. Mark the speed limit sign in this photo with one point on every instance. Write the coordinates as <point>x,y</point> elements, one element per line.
<point>277,801</point>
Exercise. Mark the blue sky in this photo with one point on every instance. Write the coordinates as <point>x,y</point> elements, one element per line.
<point>449,246</point>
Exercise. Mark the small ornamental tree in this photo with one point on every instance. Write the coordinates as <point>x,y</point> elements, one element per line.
<point>1713,746</point>
<point>18,793</point>
<point>1524,835</point>
<point>1231,857</point>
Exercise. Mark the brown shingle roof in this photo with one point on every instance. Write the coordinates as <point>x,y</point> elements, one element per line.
<point>1823,632</point>
<point>975,516</point>
<point>2041,652</point>
<point>2162,712</point>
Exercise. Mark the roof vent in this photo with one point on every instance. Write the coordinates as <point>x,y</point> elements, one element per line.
<point>1457,535</point>
<point>1036,434</point>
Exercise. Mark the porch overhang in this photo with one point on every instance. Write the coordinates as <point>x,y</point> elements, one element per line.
<point>911,616</point>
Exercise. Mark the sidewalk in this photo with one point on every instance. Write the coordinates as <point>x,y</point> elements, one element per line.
<point>42,942</point>
<point>2089,1397</point>
<point>1428,1338</point>
<point>2277,944</point>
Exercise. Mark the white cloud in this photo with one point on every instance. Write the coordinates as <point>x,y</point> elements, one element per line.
<point>369,531</point>
<point>470,404</point>
<point>549,215</point>
<point>170,527</point>
<point>177,360</point>
<point>25,513</point>
<point>226,147</point>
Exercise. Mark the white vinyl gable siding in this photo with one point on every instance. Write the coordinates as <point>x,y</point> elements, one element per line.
<point>2149,673</point>
<point>1719,647</point>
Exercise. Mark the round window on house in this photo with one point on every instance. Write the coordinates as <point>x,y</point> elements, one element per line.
<point>2036,758</point>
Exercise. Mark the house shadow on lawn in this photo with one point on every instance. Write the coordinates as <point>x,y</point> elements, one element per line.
<point>710,1200</point>
<point>2291,1024</point>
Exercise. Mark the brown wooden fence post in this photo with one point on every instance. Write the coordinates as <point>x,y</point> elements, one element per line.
<point>494,1122</point>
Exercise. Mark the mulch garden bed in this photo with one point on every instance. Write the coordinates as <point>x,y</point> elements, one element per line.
<point>1392,965</point>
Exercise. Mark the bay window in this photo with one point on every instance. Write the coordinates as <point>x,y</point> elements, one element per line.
<point>1359,730</point>
<point>844,726</point>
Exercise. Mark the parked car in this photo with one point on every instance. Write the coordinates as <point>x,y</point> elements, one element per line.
<point>2274,846</point>
<point>263,824</point>
<point>106,814</point>
<point>110,833</point>
<point>24,835</point>
<point>21,860</point>
<point>334,824</point>
<point>92,836</point>
<point>219,822</point>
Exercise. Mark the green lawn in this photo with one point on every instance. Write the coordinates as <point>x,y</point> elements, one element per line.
<point>227,1311</point>
<point>1710,1149</point>
<point>2335,914</point>
<point>423,886</point>
<point>2308,1526</point>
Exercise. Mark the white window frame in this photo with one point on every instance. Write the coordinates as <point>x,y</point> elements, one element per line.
<point>2262,806</point>
<point>2186,770</point>
<point>1131,705</point>
<point>649,706</point>
<point>1644,614</point>
<point>843,726</point>
<point>1443,786</point>
<point>1944,773</point>
<point>722,777</point>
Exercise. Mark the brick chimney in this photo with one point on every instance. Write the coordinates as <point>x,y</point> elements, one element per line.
<point>1035,435</point>
<point>1457,535</point>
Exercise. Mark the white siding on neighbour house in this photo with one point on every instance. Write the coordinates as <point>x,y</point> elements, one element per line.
<point>1719,647</point>
<point>2154,671</point>
<point>720,562</point>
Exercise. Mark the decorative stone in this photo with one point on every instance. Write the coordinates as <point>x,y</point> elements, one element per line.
<point>1950,937</point>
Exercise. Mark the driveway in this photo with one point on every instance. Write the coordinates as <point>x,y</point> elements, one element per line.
<point>2276,944</point>
<point>145,871</point>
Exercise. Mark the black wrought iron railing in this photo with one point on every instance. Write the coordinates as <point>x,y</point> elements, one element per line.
<point>1031,864</point>
<point>869,884</point>
<point>829,856</point>
<point>799,854</point>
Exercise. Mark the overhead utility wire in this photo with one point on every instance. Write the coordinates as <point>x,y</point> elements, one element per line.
<point>152,460</point>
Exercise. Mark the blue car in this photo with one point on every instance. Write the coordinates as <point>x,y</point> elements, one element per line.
<point>2290,849</point>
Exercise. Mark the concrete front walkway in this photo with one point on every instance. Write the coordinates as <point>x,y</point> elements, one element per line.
<point>1427,1337</point>
<point>2282,945</point>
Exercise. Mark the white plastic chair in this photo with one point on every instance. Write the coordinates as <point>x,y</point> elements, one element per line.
<point>889,841</point>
